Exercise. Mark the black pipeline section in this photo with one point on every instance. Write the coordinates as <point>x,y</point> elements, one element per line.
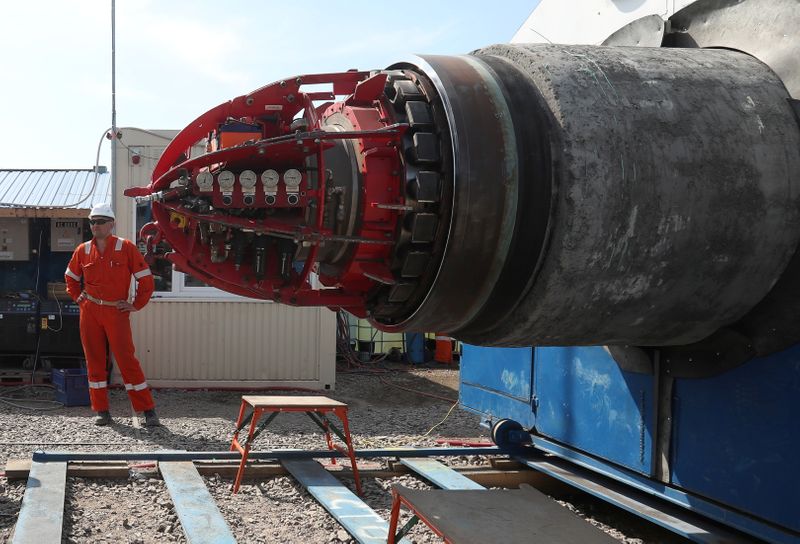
<point>604,195</point>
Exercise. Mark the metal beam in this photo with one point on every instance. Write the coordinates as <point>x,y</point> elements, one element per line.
<point>200,518</point>
<point>358,519</point>
<point>41,516</point>
<point>42,456</point>
<point>439,474</point>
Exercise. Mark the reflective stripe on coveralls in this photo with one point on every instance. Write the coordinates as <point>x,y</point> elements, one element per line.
<point>136,387</point>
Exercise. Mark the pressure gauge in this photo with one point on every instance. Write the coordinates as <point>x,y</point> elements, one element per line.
<point>248,179</point>
<point>270,179</point>
<point>205,181</point>
<point>226,179</point>
<point>292,178</point>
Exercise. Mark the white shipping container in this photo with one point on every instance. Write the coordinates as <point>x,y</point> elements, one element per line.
<point>235,344</point>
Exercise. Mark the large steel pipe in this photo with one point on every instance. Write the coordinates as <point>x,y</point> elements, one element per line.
<point>606,195</point>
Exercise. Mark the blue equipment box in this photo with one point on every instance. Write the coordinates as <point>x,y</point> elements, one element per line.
<point>72,386</point>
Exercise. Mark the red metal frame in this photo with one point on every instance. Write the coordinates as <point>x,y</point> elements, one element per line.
<point>274,107</point>
<point>258,411</point>
<point>399,500</point>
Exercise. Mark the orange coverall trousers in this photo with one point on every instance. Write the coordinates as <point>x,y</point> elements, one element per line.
<point>101,324</point>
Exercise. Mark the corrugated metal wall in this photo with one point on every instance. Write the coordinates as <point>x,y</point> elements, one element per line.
<point>250,344</point>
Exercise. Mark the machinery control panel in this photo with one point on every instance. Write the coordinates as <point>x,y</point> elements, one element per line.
<point>17,307</point>
<point>14,239</point>
<point>65,233</point>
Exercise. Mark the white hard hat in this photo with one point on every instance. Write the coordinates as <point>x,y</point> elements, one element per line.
<point>102,210</point>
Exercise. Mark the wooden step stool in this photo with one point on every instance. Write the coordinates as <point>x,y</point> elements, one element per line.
<point>317,408</point>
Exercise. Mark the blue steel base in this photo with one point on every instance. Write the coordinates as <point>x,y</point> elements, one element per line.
<point>723,446</point>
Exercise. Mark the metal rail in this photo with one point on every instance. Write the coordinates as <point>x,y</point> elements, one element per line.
<point>42,456</point>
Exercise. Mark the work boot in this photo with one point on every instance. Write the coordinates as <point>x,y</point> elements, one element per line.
<point>151,418</point>
<point>102,418</point>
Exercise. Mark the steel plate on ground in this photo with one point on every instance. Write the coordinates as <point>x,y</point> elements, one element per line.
<point>201,519</point>
<point>361,521</point>
<point>41,516</point>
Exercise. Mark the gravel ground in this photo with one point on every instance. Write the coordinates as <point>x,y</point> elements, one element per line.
<point>139,509</point>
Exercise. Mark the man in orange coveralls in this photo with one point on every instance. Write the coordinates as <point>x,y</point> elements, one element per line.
<point>106,264</point>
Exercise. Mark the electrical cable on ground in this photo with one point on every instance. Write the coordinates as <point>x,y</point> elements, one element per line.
<point>450,411</point>
<point>15,401</point>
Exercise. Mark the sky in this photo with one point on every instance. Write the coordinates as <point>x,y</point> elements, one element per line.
<point>177,59</point>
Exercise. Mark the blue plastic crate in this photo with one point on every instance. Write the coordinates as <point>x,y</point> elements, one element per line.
<point>72,386</point>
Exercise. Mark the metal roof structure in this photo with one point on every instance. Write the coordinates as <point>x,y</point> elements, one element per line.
<point>43,193</point>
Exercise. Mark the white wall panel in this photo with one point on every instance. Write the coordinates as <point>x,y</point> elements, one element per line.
<point>235,344</point>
